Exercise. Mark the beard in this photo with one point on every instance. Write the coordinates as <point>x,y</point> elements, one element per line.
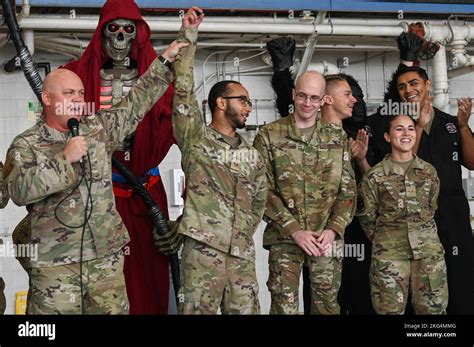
<point>234,118</point>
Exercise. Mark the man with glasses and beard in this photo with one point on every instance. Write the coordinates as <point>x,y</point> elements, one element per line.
<point>311,200</point>
<point>225,197</point>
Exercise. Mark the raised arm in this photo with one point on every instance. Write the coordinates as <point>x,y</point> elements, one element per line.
<point>123,119</point>
<point>467,140</point>
<point>188,122</point>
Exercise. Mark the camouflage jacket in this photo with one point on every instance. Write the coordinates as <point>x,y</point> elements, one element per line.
<point>39,175</point>
<point>396,210</point>
<point>311,183</point>
<point>3,189</point>
<point>225,187</point>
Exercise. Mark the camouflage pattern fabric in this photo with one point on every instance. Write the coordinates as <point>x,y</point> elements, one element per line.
<point>225,187</point>
<point>56,289</point>
<point>285,262</point>
<point>3,203</point>
<point>3,189</point>
<point>396,210</point>
<point>311,187</point>
<point>311,183</point>
<point>21,236</point>
<point>390,281</point>
<point>211,279</point>
<point>41,177</point>
<point>225,199</point>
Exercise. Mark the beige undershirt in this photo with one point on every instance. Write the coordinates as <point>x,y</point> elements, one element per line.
<point>403,164</point>
<point>232,141</point>
<point>308,132</point>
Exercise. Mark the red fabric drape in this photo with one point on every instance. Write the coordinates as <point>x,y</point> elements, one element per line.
<point>146,270</point>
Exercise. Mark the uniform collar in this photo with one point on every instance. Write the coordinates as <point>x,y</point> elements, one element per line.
<point>321,127</point>
<point>52,135</point>
<point>389,168</point>
<point>219,138</point>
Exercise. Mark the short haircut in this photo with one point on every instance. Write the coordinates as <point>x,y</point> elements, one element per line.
<point>331,80</point>
<point>219,89</point>
<point>403,69</point>
<point>392,119</point>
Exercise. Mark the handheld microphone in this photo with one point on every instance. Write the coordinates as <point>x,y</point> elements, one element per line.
<point>73,125</point>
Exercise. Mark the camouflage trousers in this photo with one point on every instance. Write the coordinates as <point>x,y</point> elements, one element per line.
<point>211,279</point>
<point>57,290</point>
<point>285,264</point>
<point>390,281</point>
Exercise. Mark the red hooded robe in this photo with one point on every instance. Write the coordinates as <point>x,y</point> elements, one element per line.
<point>146,270</point>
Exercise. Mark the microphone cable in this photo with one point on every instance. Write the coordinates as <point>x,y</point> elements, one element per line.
<point>87,217</point>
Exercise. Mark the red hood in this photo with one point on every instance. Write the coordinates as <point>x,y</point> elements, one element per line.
<point>94,57</point>
<point>154,135</point>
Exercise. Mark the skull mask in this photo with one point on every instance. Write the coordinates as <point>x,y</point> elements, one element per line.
<point>118,37</point>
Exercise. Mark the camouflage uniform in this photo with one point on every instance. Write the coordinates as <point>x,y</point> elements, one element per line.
<point>225,198</point>
<point>396,209</point>
<point>3,189</point>
<point>3,203</point>
<point>311,187</point>
<point>38,175</point>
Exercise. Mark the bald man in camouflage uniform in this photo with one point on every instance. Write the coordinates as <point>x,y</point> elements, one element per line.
<point>3,203</point>
<point>311,200</point>
<point>43,171</point>
<point>396,208</point>
<point>225,195</point>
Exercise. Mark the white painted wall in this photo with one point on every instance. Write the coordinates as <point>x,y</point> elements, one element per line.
<point>15,93</point>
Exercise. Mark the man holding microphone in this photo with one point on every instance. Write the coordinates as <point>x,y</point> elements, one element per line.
<point>66,183</point>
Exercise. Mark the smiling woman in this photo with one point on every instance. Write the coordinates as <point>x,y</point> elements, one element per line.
<point>401,135</point>
<point>396,207</point>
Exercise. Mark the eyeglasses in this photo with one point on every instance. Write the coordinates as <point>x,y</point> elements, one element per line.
<point>243,99</point>
<point>314,99</point>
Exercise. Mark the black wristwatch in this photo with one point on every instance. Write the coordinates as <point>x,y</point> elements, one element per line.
<point>164,61</point>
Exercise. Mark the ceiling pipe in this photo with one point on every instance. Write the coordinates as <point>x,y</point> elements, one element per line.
<point>458,49</point>
<point>434,30</point>
<point>77,43</point>
<point>324,68</point>
<point>25,8</point>
<point>460,71</point>
<point>457,36</point>
<point>444,33</point>
<point>29,38</point>
<point>440,81</point>
<point>377,22</point>
<point>158,25</point>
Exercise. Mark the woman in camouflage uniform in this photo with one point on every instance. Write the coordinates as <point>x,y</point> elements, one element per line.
<point>397,203</point>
